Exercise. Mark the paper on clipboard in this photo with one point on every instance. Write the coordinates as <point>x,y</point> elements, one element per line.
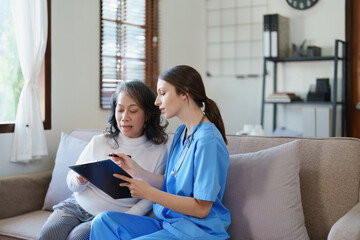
<point>100,174</point>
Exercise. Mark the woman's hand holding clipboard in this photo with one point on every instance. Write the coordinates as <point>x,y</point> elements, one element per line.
<point>101,174</point>
<point>137,186</point>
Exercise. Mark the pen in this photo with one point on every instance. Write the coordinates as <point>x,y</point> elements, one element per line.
<point>115,155</point>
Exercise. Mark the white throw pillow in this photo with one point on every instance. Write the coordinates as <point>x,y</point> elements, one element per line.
<point>67,154</point>
<point>263,194</point>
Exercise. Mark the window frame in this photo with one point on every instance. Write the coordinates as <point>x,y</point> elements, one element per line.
<point>151,70</point>
<point>9,127</point>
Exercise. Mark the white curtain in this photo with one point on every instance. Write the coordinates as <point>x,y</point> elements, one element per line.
<point>30,21</point>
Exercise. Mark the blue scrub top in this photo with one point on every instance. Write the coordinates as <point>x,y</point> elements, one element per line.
<point>202,175</point>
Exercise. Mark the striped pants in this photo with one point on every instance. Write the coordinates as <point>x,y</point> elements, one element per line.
<point>63,224</point>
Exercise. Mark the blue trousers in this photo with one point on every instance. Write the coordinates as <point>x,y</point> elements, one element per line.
<point>116,225</point>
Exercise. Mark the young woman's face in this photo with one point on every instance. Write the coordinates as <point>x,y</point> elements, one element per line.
<point>168,101</point>
<point>130,118</point>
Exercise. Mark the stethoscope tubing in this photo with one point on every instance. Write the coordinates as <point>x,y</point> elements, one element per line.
<point>189,140</point>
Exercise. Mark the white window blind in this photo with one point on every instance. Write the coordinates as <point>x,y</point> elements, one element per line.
<point>128,44</point>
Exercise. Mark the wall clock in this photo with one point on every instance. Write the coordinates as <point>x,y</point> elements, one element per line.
<point>301,4</point>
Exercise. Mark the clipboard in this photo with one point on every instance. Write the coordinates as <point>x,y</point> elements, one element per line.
<point>100,174</point>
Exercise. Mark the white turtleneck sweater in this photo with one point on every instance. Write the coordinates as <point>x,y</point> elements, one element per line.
<point>149,156</point>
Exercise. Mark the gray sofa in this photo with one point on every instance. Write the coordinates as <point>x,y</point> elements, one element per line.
<point>329,182</point>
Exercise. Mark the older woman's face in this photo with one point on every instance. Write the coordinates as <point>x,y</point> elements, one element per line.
<point>130,117</point>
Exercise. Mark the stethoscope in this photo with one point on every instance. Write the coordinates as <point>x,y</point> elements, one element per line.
<point>189,140</point>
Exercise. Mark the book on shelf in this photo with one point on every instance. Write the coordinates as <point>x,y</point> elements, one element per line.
<point>279,35</point>
<point>266,36</point>
<point>276,40</point>
<point>283,97</point>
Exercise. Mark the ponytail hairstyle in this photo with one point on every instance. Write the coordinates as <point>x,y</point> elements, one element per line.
<point>187,80</point>
<point>144,96</point>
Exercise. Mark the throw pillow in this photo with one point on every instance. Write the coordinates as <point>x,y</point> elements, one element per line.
<point>263,194</point>
<point>67,154</point>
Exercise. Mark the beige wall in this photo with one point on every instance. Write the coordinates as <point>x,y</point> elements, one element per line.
<point>240,100</point>
<point>75,65</point>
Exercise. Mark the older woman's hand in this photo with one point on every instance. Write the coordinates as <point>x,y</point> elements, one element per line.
<point>81,179</point>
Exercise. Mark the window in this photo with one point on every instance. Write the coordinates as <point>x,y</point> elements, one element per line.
<point>11,79</point>
<point>128,44</point>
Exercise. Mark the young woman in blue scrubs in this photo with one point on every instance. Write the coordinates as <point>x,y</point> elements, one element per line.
<point>187,200</point>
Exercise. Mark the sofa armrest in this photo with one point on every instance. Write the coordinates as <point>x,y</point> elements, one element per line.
<point>348,226</point>
<point>23,193</point>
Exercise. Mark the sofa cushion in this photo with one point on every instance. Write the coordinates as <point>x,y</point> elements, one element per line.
<point>329,175</point>
<point>263,194</point>
<point>67,154</point>
<point>14,189</point>
<point>26,226</point>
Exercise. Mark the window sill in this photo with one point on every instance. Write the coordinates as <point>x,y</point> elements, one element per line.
<point>9,127</point>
